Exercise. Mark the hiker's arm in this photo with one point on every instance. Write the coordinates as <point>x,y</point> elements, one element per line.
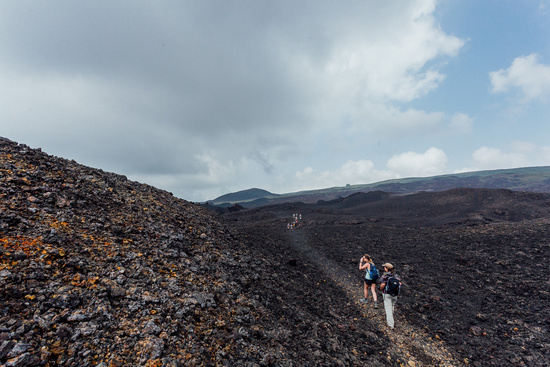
<point>382,285</point>
<point>363,266</point>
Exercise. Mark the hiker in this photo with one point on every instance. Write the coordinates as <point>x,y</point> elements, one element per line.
<point>390,285</point>
<point>370,278</point>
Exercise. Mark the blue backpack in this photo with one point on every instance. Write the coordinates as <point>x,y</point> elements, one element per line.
<point>374,273</point>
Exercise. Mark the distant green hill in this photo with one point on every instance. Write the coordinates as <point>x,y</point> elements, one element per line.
<point>243,197</point>
<point>532,179</point>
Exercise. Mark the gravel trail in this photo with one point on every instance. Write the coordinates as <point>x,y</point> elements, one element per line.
<point>415,347</point>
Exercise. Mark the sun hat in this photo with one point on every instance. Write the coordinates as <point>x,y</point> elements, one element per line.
<point>388,265</point>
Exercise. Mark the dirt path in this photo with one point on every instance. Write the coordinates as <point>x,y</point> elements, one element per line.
<point>415,347</point>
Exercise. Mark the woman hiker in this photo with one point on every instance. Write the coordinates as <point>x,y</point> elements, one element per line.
<point>370,278</point>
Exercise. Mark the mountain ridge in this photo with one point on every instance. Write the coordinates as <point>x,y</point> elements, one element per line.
<point>534,179</point>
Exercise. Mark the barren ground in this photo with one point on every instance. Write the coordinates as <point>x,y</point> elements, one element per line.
<point>476,290</point>
<point>97,270</point>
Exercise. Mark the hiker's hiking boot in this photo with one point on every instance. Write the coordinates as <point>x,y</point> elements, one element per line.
<point>375,304</point>
<point>363,300</point>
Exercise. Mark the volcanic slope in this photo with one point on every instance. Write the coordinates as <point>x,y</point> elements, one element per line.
<point>476,289</point>
<point>97,270</point>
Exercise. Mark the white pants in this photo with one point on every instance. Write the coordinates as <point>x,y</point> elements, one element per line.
<point>389,305</point>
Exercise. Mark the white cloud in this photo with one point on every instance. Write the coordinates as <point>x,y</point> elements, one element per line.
<point>520,154</point>
<point>525,73</point>
<point>461,123</point>
<point>387,122</point>
<point>218,95</point>
<point>389,63</point>
<point>493,158</point>
<point>351,172</point>
<point>431,162</point>
<point>543,8</point>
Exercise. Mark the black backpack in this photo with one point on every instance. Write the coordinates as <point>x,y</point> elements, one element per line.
<point>392,286</point>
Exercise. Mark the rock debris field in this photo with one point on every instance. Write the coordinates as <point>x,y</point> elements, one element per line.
<point>97,270</point>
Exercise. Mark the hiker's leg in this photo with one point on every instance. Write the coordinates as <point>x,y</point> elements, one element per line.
<point>393,302</point>
<point>366,289</point>
<point>373,290</point>
<point>388,306</point>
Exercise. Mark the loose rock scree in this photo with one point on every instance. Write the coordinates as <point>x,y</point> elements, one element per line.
<point>97,270</point>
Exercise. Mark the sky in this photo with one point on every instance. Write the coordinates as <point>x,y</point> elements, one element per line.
<point>203,98</point>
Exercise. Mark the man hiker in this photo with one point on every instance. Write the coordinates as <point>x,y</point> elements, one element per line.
<point>390,285</point>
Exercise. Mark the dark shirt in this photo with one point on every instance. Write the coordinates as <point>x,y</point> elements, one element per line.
<point>385,277</point>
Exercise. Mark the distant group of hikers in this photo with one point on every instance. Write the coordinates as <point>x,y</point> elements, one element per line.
<point>296,218</point>
<point>390,285</point>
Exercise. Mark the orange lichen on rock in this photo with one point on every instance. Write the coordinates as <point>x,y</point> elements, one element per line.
<point>29,246</point>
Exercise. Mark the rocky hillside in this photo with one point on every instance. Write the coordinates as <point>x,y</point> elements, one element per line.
<point>96,270</point>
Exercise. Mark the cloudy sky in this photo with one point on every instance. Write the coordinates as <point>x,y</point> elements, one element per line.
<point>202,98</point>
